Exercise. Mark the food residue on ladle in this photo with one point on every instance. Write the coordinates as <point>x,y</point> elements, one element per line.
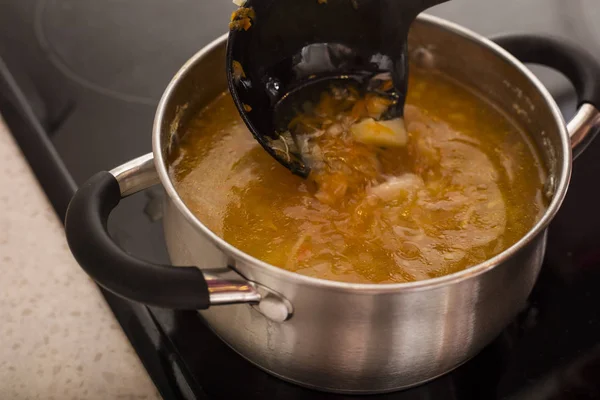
<point>242,18</point>
<point>237,71</point>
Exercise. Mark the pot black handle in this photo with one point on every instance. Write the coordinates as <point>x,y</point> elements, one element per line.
<point>582,69</point>
<point>121,273</point>
<point>578,65</point>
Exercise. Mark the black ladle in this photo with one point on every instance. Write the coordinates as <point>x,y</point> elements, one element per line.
<point>283,46</point>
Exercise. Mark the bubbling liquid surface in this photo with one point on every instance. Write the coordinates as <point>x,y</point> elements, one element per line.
<point>466,185</point>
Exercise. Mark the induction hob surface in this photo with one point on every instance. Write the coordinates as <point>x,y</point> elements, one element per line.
<point>79,81</point>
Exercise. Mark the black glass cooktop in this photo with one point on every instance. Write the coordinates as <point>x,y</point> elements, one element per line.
<point>79,81</point>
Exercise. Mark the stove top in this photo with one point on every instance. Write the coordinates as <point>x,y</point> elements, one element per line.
<point>79,82</point>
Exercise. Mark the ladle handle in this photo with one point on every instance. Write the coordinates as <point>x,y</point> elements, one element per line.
<point>125,275</point>
<point>577,64</point>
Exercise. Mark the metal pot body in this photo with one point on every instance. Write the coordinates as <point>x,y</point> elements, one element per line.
<point>362,342</point>
<point>369,338</point>
<point>336,336</point>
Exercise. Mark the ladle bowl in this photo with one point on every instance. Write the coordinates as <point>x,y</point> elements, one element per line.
<point>277,48</point>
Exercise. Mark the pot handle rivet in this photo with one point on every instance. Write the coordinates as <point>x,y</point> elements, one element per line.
<point>273,305</point>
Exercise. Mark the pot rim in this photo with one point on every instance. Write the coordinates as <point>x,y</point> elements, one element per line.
<point>562,183</point>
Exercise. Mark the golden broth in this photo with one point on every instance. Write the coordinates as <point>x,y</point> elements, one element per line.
<point>467,185</point>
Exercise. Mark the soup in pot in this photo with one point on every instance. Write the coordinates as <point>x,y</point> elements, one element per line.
<point>461,184</point>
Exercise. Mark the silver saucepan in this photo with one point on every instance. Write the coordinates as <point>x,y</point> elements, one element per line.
<point>334,336</point>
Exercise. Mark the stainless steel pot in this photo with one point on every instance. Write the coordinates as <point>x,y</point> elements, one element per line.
<point>342,337</point>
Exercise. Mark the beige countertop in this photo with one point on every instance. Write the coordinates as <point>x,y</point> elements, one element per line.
<point>58,338</point>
